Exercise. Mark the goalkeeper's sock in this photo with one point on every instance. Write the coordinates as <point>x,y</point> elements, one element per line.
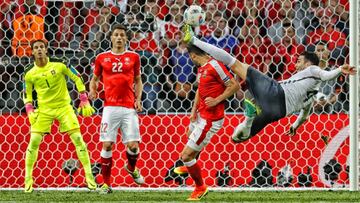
<point>217,53</point>
<point>106,164</point>
<point>195,172</point>
<point>132,159</point>
<point>81,151</point>
<point>32,154</point>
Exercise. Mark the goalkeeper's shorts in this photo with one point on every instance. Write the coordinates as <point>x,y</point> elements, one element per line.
<point>65,115</point>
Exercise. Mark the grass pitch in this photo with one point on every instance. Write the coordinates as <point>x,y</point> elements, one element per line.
<point>176,196</point>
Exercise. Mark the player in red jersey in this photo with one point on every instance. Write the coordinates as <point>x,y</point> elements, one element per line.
<point>120,73</point>
<point>207,115</point>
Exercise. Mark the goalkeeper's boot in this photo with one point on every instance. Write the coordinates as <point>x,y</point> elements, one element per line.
<point>198,193</point>
<point>105,189</point>
<point>181,170</point>
<point>29,185</point>
<point>188,34</point>
<point>91,184</point>
<point>135,175</point>
<point>242,132</point>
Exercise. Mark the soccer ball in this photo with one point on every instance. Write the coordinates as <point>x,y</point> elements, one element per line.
<point>194,15</point>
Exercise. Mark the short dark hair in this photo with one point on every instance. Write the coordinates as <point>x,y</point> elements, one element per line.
<point>38,40</point>
<point>118,27</point>
<point>312,57</point>
<point>196,50</point>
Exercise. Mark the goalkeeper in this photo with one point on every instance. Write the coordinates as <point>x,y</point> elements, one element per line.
<point>47,77</point>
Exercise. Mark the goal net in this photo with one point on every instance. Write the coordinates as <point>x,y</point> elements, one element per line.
<point>269,35</point>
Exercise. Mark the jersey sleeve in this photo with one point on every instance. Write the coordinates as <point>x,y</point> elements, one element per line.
<point>221,71</point>
<point>75,76</point>
<point>325,75</point>
<point>137,70</point>
<point>97,67</point>
<point>27,88</point>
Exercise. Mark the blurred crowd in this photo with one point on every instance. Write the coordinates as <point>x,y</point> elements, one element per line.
<point>268,34</point>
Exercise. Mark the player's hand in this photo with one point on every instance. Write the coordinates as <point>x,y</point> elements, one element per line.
<point>31,113</point>
<point>92,95</point>
<point>193,117</point>
<point>211,102</point>
<point>138,106</point>
<point>85,108</point>
<point>292,131</point>
<point>347,69</point>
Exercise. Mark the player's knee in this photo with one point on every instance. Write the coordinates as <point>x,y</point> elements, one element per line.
<point>35,140</point>
<point>76,138</point>
<point>185,157</point>
<point>133,147</point>
<point>107,146</point>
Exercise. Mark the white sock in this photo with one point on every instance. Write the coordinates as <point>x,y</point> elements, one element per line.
<point>248,121</point>
<point>217,53</point>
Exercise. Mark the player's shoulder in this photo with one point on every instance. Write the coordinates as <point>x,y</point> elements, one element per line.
<point>29,67</point>
<point>313,68</point>
<point>58,61</point>
<point>132,53</point>
<point>104,54</point>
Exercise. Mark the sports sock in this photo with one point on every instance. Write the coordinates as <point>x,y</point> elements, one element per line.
<point>32,153</point>
<point>248,121</point>
<point>81,151</point>
<point>132,159</point>
<point>215,52</point>
<point>106,164</point>
<point>195,172</point>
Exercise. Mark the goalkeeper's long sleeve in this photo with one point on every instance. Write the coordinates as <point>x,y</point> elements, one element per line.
<point>75,76</point>
<point>27,90</point>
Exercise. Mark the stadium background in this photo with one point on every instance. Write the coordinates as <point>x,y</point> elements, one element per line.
<point>256,32</point>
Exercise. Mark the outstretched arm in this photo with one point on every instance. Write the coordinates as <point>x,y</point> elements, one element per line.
<point>84,107</point>
<point>75,76</point>
<point>330,75</point>
<point>303,116</point>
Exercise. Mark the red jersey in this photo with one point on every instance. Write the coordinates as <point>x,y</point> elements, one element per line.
<point>212,78</point>
<point>118,72</point>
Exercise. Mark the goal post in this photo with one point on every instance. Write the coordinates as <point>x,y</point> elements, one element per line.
<point>354,95</point>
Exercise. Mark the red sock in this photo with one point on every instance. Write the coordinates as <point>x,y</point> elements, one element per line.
<point>106,164</point>
<point>195,173</point>
<point>132,159</point>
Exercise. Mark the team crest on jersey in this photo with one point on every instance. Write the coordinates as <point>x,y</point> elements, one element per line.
<point>107,59</point>
<point>204,73</point>
<point>127,60</point>
<point>53,72</point>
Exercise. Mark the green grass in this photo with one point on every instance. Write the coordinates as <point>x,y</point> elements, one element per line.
<point>151,196</point>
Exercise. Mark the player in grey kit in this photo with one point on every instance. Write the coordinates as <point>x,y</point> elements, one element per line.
<point>274,100</point>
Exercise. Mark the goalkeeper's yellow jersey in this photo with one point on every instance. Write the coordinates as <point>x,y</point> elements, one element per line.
<point>50,83</point>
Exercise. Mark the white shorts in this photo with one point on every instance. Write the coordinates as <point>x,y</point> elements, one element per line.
<point>115,117</point>
<point>202,131</point>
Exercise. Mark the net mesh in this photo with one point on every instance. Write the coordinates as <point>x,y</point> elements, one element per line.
<point>269,35</point>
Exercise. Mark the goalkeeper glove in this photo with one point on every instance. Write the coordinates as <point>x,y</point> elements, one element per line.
<point>85,108</point>
<point>31,113</point>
